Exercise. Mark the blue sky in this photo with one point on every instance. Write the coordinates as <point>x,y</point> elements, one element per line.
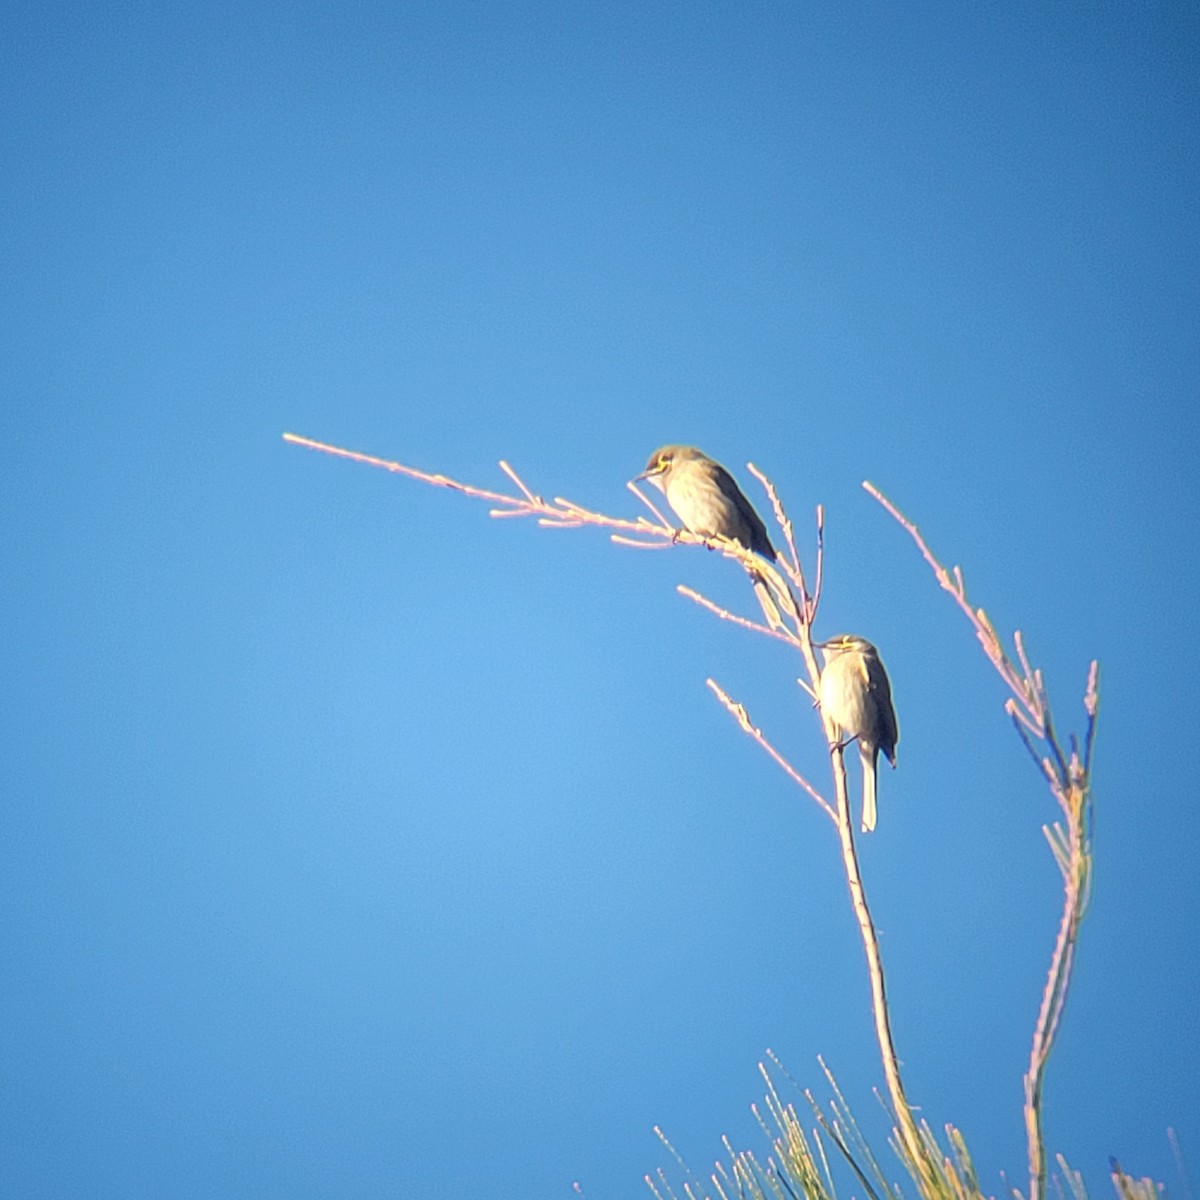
<point>355,844</point>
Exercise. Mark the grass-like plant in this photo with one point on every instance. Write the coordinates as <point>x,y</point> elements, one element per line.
<point>798,1164</point>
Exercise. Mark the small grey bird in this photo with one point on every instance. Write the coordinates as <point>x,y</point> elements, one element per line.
<point>856,695</point>
<point>706,498</point>
<point>709,502</point>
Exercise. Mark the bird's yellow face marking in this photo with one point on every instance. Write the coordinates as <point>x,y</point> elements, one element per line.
<point>659,464</point>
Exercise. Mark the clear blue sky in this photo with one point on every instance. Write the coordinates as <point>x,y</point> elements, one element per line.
<point>354,844</point>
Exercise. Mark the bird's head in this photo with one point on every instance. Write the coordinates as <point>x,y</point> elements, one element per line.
<point>846,643</point>
<point>664,460</point>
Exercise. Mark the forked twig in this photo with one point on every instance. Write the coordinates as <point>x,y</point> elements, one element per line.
<point>1021,682</point>
<point>791,566</point>
<point>1069,780</point>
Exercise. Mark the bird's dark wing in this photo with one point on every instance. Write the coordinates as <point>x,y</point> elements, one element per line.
<point>760,543</point>
<point>881,691</point>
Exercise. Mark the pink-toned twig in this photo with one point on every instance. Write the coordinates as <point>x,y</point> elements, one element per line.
<point>637,491</point>
<point>519,482</point>
<point>726,615</point>
<point>781,518</point>
<point>816,598</point>
<point>528,504</point>
<point>1020,682</point>
<point>791,566</point>
<point>1069,779</point>
<point>738,712</point>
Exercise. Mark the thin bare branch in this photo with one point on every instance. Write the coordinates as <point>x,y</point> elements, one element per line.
<point>1020,722</point>
<point>1091,704</point>
<point>1019,642</point>
<point>1059,847</point>
<point>1017,713</point>
<point>637,491</point>
<point>1070,785</point>
<point>816,597</point>
<point>914,1150</point>
<point>791,566</point>
<point>726,615</point>
<point>781,517</point>
<point>1061,774</point>
<point>560,511</point>
<point>519,482</point>
<point>738,712</point>
<point>978,618</point>
<point>399,468</point>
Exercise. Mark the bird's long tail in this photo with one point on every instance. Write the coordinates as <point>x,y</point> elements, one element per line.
<point>769,600</point>
<point>870,764</point>
<point>766,601</point>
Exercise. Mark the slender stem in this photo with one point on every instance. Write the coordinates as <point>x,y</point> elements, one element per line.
<point>866,927</point>
<point>738,712</point>
<point>1058,980</point>
<point>1070,784</point>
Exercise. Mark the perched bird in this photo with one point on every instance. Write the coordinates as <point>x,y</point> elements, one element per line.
<point>706,498</point>
<point>710,504</point>
<point>856,695</point>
